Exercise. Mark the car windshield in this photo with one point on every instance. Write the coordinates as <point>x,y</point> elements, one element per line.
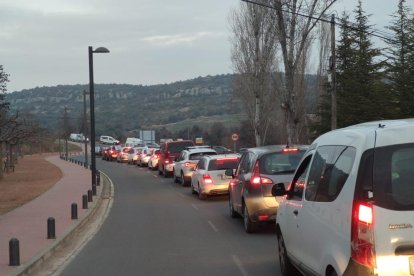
<point>223,164</point>
<point>199,155</point>
<point>280,162</point>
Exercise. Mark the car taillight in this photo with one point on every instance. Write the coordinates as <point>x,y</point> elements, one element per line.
<point>362,234</point>
<point>207,179</point>
<point>189,164</point>
<point>290,149</point>
<point>166,161</point>
<point>256,179</point>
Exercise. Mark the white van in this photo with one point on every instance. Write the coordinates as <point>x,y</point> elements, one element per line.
<point>108,140</point>
<point>133,142</point>
<point>349,209</point>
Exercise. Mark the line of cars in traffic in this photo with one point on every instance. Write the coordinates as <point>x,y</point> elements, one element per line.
<point>343,205</point>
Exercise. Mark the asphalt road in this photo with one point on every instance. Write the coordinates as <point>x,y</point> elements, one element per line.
<point>157,227</point>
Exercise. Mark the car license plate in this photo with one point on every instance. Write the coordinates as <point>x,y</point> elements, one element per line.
<point>411,261</point>
<point>224,177</point>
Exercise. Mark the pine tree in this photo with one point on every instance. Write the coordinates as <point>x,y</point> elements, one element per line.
<point>361,92</point>
<point>399,66</point>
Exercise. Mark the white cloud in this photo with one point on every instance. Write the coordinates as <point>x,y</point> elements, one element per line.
<point>179,39</point>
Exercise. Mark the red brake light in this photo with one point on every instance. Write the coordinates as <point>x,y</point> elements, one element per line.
<point>256,179</point>
<point>263,217</point>
<point>290,149</point>
<point>207,179</point>
<point>166,161</point>
<point>362,234</point>
<point>365,214</point>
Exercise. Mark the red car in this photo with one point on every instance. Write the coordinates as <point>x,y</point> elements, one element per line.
<point>169,151</point>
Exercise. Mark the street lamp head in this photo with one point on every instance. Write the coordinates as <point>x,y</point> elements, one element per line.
<point>101,50</point>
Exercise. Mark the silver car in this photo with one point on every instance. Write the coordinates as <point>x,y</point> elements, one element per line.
<point>185,163</point>
<point>209,176</point>
<point>250,190</point>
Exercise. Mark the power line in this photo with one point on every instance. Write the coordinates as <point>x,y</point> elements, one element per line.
<point>324,19</point>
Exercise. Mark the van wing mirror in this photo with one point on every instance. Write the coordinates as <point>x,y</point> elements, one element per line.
<point>279,189</point>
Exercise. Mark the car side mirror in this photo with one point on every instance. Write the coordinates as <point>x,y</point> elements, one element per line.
<point>279,189</point>
<point>229,172</point>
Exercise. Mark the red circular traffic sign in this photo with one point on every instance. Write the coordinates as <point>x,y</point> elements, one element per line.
<point>234,137</point>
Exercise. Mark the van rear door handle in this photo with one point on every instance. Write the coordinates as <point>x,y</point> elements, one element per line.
<point>296,212</point>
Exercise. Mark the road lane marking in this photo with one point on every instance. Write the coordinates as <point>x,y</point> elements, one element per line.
<point>194,206</point>
<point>155,175</point>
<point>180,194</point>
<point>239,265</point>
<point>213,226</point>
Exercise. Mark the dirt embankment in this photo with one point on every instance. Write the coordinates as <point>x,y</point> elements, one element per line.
<point>33,176</point>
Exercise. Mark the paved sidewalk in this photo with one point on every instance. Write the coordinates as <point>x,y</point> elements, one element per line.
<point>28,223</point>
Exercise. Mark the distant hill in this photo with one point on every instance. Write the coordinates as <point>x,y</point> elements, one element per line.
<point>124,107</point>
<point>121,107</point>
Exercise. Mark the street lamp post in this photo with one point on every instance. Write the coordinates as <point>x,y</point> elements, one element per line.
<point>84,128</point>
<point>92,108</point>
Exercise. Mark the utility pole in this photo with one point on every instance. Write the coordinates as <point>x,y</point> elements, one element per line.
<point>333,72</point>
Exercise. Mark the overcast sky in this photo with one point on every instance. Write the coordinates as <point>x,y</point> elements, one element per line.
<point>45,42</point>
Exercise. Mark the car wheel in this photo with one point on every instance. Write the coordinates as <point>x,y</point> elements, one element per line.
<point>165,173</point>
<point>201,196</point>
<point>233,213</point>
<point>192,189</point>
<point>183,182</point>
<point>333,273</point>
<point>285,265</point>
<point>159,172</point>
<point>176,180</point>
<point>249,226</point>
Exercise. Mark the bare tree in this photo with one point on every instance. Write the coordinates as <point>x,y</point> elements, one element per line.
<point>253,58</point>
<point>295,21</point>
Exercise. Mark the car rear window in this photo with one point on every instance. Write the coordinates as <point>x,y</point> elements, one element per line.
<point>393,180</point>
<point>199,155</point>
<point>280,162</point>
<point>386,176</point>
<point>178,147</point>
<point>223,164</point>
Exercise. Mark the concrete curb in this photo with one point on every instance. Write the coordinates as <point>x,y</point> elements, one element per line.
<point>38,259</point>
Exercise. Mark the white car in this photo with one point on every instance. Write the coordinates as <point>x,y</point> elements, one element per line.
<point>209,176</point>
<point>349,209</point>
<point>108,140</point>
<point>185,163</point>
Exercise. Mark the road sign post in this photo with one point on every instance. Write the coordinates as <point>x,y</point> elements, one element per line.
<point>235,138</point>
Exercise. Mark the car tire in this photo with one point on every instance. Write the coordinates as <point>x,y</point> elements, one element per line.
<point>193,190</point>
<point>165,173</point>
<point>286,266</point>
<point>183,182</point>
<point>333,273</point>
<point>201,196</point>
<point>159,172</point>
<point>233,213</point>
<point>249,225</point>
<point>176,180</point>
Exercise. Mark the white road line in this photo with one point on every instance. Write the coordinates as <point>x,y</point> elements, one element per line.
<point>180,194</point>
<point>213,226</point>
<point>239,265</point>
<point>155,175</point>
<point>194,206</point>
